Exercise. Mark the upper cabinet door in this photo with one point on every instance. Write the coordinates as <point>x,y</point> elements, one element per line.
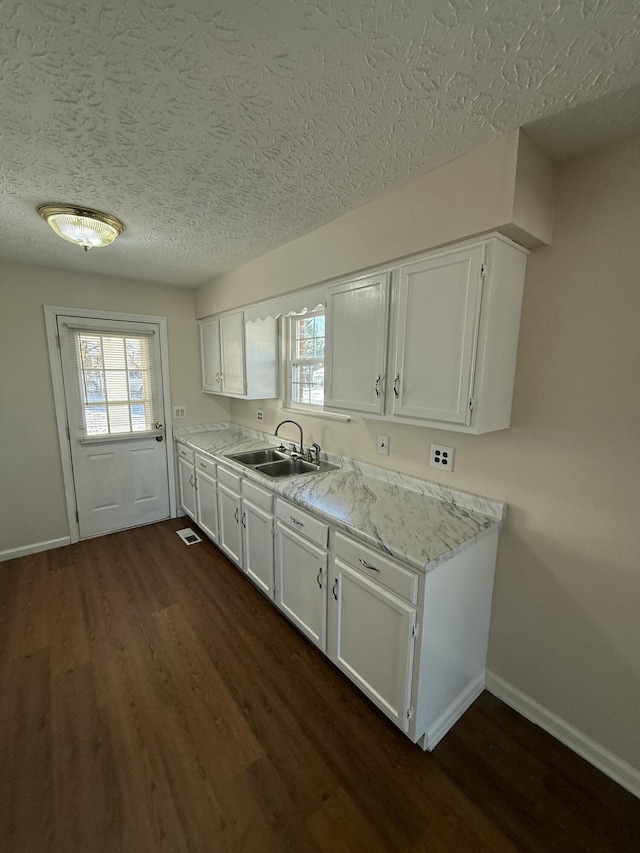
<point>436,334</point>
<point>356,344</point>
<point>232,348</point>
<point>210,355</point>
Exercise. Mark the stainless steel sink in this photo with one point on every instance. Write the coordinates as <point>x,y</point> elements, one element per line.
<point>278,465</point>
<point>287,468</point>
<point>259,457</point>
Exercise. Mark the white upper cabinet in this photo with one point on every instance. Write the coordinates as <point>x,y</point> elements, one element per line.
<point>449,359</point>
<point>437,321</point>
<point>356,346</point>
<point>232,353</point>
<point>210,355</point>
<point>239,359</point>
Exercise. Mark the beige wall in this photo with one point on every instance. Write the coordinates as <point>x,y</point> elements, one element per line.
<point>31,488</point>
<point>471,195</point>
<point>565,628</point>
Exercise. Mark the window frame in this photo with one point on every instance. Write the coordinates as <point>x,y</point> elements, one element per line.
<point>108,374</point>
<point>290,362</point>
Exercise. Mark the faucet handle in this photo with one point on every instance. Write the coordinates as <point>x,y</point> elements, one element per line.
<point>314,450</point>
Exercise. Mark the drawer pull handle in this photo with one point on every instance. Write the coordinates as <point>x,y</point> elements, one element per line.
<point>236,513</point>
<point>377,385</point>
<point>367,566</point>
<point>244,520</point>
<point>295,521</point>
<point>395,385</point>
<point>319,578</point>
<point>333,590</point>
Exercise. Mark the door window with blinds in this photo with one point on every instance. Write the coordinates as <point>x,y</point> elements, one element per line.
<point>115,381</point>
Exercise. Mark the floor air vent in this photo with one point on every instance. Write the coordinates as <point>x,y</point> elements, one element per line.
<point>188,536</point>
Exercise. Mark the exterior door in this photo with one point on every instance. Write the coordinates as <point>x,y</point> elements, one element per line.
<point>115,410</point>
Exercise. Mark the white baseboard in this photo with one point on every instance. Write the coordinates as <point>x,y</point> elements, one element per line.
<point>452,714</point>
<point>617,769</point>
<point>12,553</point>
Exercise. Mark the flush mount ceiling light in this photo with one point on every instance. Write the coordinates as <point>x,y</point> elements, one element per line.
<point>88,228</point>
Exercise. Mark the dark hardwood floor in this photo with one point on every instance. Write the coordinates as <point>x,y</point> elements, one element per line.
<point>152,700</point>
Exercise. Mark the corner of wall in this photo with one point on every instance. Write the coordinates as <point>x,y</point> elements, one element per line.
<point>533,196</point>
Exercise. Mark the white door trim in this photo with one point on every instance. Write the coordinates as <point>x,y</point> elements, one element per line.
<point>51,313</point>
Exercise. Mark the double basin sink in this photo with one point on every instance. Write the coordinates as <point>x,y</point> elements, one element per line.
<point>279,465</point>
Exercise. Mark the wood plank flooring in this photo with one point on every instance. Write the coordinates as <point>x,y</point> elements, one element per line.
<point>152,700</point>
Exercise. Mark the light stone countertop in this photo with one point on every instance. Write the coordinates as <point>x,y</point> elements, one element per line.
<point>418,522</point>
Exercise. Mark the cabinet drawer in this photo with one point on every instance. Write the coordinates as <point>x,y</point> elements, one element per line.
<point>305,524</point>
<point>229,479</point>
<point>404,582</point>
<point>257,495</point>
<point>185,452</point>
<point>203,463</point>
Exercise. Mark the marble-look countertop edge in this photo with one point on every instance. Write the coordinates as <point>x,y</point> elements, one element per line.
<point>242,439</point>
<point>491,507</point>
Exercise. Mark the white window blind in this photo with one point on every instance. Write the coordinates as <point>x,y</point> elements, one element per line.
<point>115,381</point>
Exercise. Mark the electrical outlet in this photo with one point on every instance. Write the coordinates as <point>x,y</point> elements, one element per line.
<point>383,445</point>
<point>179,412</point>
<point>442,457</point>
<point>260,415</point>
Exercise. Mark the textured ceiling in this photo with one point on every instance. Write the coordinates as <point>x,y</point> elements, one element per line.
<point>220,130</point>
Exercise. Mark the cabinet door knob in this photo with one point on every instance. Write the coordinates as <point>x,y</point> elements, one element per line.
<point>319,578</point>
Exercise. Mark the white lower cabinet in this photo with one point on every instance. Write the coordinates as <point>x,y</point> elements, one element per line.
<point>206,497</point>
<point>186,480</point>
<point>413,642</point>
<point>373,641</point>
<point>257,536</point>
<point>230,525</point>
<point>246,527</point>
<point>301,573</point>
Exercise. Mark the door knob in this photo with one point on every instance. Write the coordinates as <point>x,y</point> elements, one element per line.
<point>158,425</point>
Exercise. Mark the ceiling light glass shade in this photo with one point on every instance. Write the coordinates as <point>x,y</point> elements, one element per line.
<point>88,228</point>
